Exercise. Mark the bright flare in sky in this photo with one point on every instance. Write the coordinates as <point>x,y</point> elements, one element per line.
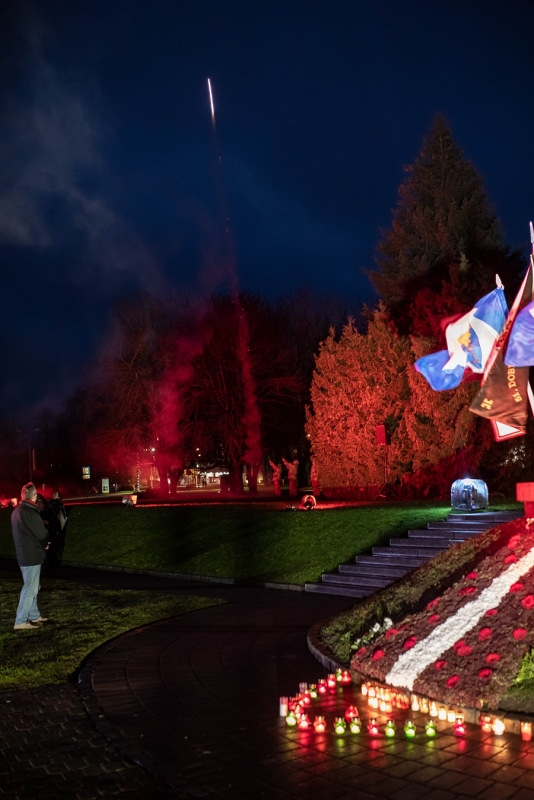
<point>211,101</point>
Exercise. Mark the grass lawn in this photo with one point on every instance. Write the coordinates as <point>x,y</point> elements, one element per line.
<point>245,542</point>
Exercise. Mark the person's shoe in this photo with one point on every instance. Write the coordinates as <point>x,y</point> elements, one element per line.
<point>39,621</point>
<point>24,626</point>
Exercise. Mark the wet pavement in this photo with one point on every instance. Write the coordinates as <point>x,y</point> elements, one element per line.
<point>189,708</point>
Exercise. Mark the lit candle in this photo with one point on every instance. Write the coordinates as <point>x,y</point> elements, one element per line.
<point>390,729</point>
<point>346,677</point>
<point>430,728</point>
<point>321,686</point>
<point>331,681</point>
<point>526,731</point>
<point>306,698</point>
<point>364,689</point>
<point>372,728</point>
<point>340,726</point>
<point>355,725</point>
<point>433,709</point>
<point>313,691</point>
<point>303,687</point>
<point>304,722</point>
<point>291,719</point>
<point>284,706</point>
<point>424,705</point>
<point>459,725</point>
<point>339,673</point>
<point>372,702</point>
<point>409,729</point>
<point>498,727</point>
<point>415,702</point>
<point>319,724</point>
<point>451,715</point>
<point>350,713</point>
<point>442,713</point>
<point>485,723</point>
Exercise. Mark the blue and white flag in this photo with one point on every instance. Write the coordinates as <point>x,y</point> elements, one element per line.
<point>470,341</point>
<point>520,350</point>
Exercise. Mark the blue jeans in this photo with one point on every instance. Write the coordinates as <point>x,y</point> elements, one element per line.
<point>27,609</point>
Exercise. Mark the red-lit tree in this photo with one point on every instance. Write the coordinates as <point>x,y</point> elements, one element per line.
<point>360,382</point>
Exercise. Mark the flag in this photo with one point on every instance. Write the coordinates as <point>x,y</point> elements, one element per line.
<point>470,340</point>
<point>520,350</point>
<point>505,391</point>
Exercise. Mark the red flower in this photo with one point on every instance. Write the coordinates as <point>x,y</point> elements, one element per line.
<point>441,664</point>
<point>514,541</point>
<point>432,603</point>
<point>458,644</point>
<point>410,642</point>
<point>492,657</point>
<point>452,681</point>
<point>520,633</point>
<point>472,576</point>
<point>467,590</point>
<point>391,633</point>
<point>484,674</point>
<point>484,634</point>
<point>464,650</point>
<point>377,655</point>
<point>433,618</point>
<point>528,601</point>
<point>361,651</point>
<point>516,587</point>
<point>491,612</point>
<point>511,559</point>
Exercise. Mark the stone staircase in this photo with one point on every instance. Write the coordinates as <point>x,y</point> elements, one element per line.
<point>369,573</point>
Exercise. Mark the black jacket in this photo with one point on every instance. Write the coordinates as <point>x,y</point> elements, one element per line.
<point>29,534</point>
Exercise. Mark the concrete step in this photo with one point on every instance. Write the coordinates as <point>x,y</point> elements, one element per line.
<point>344,591</point>
<point>365,581</point>
<point>392,571</point>
<point>384,565</point>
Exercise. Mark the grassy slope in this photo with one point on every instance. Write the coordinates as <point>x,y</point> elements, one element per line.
<point>245,542</point>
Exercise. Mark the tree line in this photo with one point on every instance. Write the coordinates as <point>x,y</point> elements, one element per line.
<point>236,380</point>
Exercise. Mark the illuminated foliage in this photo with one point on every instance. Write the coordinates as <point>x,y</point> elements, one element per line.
<point>360,381</point>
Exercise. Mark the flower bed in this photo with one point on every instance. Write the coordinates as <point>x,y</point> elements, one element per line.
<point>466,646</point>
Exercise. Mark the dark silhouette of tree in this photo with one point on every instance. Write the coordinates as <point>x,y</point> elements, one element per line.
<point>217,406</point>
<point>445,243</point>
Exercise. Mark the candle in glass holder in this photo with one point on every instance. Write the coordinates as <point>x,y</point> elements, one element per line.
<point>319,724</point>
<point>415,703</point>
<point>304,722</point>
<point>498,727</point>
<point>372,727</point>
<point>340,726</point>
<point>451,715</point>
<point>433,710</point>
<point>364,689</point>
<point>409,729</point>
<point>355,725</point>
<point>430,729</point>
<point>303,687</point>
<point>459,725</point>
<point>284,706</point>
<point>442,713</point>
<point>390,728</point>
<point>322,688</point>
<point>350,713</point>
<point>485,723</point>
<point>331,681</point>
<point>526,731</point>
<point>313,691</point>
<point>346,677</point>
<point>291,719</point>
<point>424,705</point>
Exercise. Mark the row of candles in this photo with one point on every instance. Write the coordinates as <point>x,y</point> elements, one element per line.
<point>383,699</point>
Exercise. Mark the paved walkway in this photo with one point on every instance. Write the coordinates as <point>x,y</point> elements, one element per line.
<point>188,708</point>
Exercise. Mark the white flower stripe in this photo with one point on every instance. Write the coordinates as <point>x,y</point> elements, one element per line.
<point>411,663</point>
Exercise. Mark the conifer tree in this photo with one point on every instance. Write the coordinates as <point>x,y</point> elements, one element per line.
<point>360,382</point>
<point>444,246</point>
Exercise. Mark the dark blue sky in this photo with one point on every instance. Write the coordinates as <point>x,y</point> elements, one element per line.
<point>107,183</point>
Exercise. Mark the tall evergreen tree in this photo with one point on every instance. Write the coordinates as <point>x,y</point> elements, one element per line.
<point>360,382</point>
<point>445,243</point>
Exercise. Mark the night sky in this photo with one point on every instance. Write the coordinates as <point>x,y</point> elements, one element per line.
<point>110,180</point>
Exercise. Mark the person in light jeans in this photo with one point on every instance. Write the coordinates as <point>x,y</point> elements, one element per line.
<point>31,541</point>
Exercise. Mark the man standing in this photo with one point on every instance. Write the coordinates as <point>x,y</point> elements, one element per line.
<point>31,540</point>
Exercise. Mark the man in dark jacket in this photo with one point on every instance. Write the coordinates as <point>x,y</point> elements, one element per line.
<point>31,540</point>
